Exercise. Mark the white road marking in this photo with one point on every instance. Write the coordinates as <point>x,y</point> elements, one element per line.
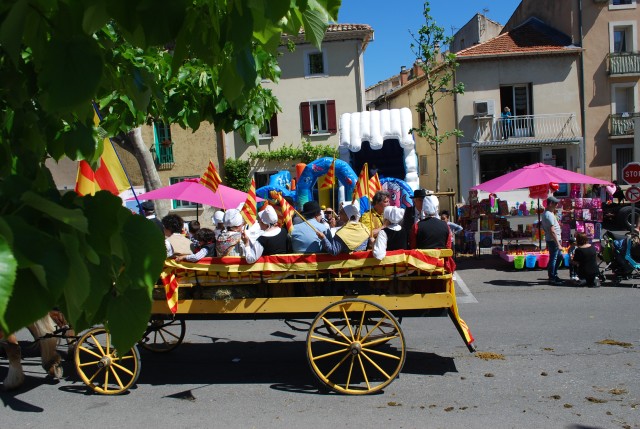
<point>467,297</point>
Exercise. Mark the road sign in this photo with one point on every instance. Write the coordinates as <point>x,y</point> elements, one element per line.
<point>631,173</point>
<point>632,194</point>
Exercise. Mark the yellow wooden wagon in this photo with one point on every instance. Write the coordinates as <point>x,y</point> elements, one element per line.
<point>354,344</point>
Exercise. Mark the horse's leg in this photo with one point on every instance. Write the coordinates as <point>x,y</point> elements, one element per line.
<point>69,333</point>
<point>15,377</point>
<point>48,352</point>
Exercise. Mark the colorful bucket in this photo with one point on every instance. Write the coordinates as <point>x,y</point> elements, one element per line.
<point>567,260</point>
<point>518,262</point>
<point>530,261</point>
<point>543,260</point>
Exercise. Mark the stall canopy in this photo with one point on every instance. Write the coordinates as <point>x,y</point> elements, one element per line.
<point>191,190</point>
<point>536,174</point>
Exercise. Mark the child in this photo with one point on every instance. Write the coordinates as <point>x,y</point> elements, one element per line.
<point>454,227</point>
<point>194,227</point>
<point>206,246</point>
<point>573,274</point>
<point>175,242</point>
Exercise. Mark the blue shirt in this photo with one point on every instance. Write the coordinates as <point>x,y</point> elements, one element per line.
<point>304,238</point>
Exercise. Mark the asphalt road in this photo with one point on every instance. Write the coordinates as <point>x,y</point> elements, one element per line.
<point>545,365</point>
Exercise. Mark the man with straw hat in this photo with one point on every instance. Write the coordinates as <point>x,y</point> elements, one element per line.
<point>304,238</point>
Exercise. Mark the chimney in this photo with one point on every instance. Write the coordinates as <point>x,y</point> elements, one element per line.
<point>404,76</point>
<point>417,69</point>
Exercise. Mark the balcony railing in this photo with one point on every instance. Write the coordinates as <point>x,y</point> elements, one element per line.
<point>624,63</point>
<point>622,124</point>
<point>557,127</point>
<point>163,157</point>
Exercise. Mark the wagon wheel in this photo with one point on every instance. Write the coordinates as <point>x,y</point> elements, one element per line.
<point>355,347</point>
<point>162,336</point>
<point>101,367</point>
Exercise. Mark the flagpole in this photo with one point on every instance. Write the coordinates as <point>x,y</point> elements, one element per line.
<point>366,174</point>
<point>333,185</point>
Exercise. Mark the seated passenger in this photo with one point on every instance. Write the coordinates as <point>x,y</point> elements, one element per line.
<point>206,239</point>
<point>352,237</point>
<point>431,232</point>
<point>372,219</point>
<point>175,241</point>
<point>392,236</point>
<point>274,240</point>
<point>229,242</point>
<point>218,222</point>
<point>194,226</point>
<point>303,238</point>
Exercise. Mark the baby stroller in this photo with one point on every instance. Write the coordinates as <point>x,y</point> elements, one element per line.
<point>619,255</point>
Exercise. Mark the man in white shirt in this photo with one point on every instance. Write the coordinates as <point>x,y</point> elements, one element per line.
<point>551,229</point>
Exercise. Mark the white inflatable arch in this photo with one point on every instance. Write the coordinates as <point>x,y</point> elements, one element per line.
<point>375,127</point>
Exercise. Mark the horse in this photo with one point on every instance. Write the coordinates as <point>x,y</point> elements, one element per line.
<point>51,361</point>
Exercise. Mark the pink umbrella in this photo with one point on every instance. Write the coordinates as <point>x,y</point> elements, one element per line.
<point>533,175</point>
<point>191,190</point>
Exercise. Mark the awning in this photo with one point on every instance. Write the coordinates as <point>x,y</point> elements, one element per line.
<point>524,143</point>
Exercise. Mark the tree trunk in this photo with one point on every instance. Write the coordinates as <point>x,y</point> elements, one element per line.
<point>133,143</point>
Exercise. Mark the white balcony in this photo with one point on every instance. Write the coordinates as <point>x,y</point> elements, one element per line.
<point>534,129</point>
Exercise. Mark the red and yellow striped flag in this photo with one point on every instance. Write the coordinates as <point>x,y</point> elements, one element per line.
<point>211,179</point>
<point>170,283</point>
<point>109,176</point>
<point>249,211</point>
<point>285,208</point>
<point>374,185</point>
<point>330,177</point>
<point>362,185</point>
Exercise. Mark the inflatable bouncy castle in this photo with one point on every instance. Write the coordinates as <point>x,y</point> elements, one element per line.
<point>381,138</point>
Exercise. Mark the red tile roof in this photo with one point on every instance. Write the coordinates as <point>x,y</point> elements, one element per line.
<point>532,37</point>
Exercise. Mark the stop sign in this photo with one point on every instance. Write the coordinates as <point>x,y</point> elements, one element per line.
<point>631,173</point>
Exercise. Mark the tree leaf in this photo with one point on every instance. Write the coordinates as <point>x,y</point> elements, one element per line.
<point>128,315</point>
<point>72,217</point>
<point>71,72</point>
<point>315,25</point>
<point>12,29</point>
<point>8,268</point>
<point>79,284</point>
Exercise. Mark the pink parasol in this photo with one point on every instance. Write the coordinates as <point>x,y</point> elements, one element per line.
<point>191,190</point>
<point>536,174</point>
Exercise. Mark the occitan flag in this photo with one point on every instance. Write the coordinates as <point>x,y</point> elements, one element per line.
<point>170,283</point>
<point>362,185</point>
<point>330,177</point>
<point>210,178</point>
<point>285,209</point>
<point>109,176</point>
<point>374,185</point>
<point>249,211</point>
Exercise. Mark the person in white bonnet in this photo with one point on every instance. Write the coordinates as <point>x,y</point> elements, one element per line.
<point>353,236</point>
<point>218,222</point>
<point>431,232</point>
<point>229,242</point>
<point>274,240</point>
<point>392,236</point>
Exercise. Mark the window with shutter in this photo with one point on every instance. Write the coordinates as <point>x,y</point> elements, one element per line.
<point>270,128</point>
<point>319,117</point>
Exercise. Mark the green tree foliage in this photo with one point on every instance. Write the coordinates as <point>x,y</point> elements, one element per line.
<point>186,61</point>
<point>236,174</point>
<point>306,153</point>
<point>439,69</point>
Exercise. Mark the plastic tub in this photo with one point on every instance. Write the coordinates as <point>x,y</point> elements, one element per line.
<point>530,261</point>
<point>567,260</point>
<point>543,260</point>
<point>518,262</point>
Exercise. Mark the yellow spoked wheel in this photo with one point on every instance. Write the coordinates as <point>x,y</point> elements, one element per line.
<point>101,367</point>
<point>355,347</point>
<point>163,335</point>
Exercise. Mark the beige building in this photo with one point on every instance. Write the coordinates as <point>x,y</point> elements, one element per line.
<point>531,70</point>
<point>477,30</point>
<point>609,73</point>
<point>315,88</point>
<point>410,93</point>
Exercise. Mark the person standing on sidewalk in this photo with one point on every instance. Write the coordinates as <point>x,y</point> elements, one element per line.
<point>551,229</point>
